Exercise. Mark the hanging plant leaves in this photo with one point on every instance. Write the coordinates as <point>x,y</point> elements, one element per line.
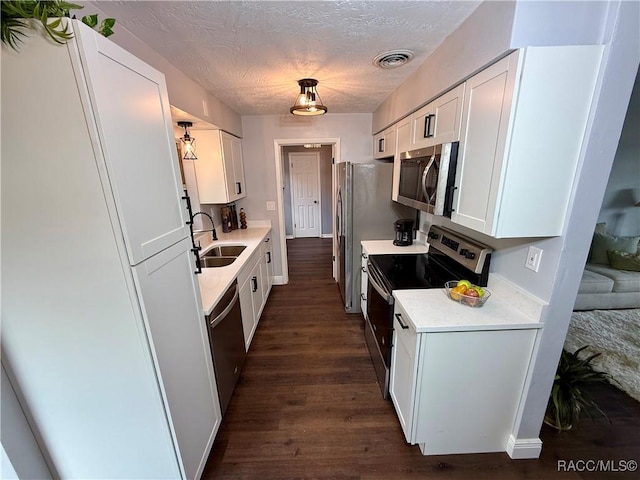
<point>91,20</point>
<point>17,17</point>
<point>106,26</point>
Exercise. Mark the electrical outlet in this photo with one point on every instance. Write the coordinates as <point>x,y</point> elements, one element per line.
<point>271,205</point>
<point>533,258</point>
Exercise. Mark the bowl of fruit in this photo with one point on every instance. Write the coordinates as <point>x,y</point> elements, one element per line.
<point>464,292</point>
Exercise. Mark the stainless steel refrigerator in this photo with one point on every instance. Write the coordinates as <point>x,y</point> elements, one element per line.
<point>364,211</point>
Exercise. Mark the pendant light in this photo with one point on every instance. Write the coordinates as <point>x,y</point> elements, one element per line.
<point>188,142</point>
<point>308,101</point>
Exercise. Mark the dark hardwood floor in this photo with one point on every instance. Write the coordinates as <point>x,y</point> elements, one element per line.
<point>307,405</point>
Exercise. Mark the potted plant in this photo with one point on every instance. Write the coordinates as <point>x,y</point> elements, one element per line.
<point>568,398</point>
<point>20,16</point>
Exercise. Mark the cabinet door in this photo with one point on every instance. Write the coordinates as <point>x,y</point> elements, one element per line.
<point>238,169</point>
<point>136,136</point>
<point>448,115</point>
<point>403,144</point>
<point>248,315</point>
<point>487,106</point>
<point>180,343</point>
<point>227,164</point>
<point>268,254</point>
<point>404,371</point>
<point>257,297</point>
<point>384,143</point>
<point>422,127</point>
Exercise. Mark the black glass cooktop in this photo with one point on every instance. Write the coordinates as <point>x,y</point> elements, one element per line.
<point>429,270</point>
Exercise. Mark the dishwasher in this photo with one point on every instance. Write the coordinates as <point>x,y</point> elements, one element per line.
<point>226,337</point>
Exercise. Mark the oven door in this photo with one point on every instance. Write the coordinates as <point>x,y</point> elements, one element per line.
<point>379,327</point>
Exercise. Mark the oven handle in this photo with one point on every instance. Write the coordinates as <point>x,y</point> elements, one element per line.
<point>374,279</point>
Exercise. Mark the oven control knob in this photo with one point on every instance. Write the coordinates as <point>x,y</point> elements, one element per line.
<point>433,235</point>
<point>467,254</point>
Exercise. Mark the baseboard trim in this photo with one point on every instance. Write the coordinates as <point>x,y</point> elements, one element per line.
<point>326,235</point>
<point>278,280</point>
<point>524,447</point>
<point>289,237</point>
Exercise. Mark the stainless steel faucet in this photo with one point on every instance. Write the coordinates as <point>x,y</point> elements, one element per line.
<point>213,226</point>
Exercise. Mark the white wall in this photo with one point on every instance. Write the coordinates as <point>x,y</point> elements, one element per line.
<point>482,38</point>
<point>623,189</point>
<point>356,143</point>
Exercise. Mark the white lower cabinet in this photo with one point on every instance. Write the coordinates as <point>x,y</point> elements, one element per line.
<point>267,270</point>
<point>457,391</point>
<point>255,281</point>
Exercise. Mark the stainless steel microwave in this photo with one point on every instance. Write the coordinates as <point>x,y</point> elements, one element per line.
<point>427,178</point>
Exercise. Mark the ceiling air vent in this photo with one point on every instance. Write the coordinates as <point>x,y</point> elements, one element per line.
<point>393,59</point>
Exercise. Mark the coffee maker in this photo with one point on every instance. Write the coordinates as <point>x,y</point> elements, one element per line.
<point>404,232</point>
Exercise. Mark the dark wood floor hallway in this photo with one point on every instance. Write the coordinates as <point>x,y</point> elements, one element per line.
<point>307,405</point>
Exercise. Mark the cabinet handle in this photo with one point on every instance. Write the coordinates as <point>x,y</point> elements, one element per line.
<point>268,257</point>
<point>189,210</point>
<point>381,145</point>
<point>238,188</point>
<point>196,253</point>
<point>364,255</point>
<point>254,280</point>
<point>363,297</point>
<point>427,125</point>
<point>364,269</point>
<point>399,318</point>
<point>267,240</point>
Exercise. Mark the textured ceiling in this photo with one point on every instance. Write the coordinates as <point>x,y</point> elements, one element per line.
<point>251,54</point>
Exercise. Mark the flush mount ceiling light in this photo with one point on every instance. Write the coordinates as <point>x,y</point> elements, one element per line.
<point>308,101</point>
<point>393,59</point>
<point>188,142</point>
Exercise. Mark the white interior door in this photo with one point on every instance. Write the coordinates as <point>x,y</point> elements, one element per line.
<point>305,193</point>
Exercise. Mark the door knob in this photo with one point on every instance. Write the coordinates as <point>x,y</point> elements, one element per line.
<point>315,201</point>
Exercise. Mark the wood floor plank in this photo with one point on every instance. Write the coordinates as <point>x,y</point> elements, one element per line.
<point>307,405</point>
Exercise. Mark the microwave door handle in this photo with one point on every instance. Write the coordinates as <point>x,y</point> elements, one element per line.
<point>375,283</point>
<point>424,179</point>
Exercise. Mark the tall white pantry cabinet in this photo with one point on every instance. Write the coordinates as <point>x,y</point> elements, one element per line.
<point>102,325</point>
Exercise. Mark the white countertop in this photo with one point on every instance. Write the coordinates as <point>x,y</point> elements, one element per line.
<point>431,310</point>
<point>215,281</point>
<point>385,247</point>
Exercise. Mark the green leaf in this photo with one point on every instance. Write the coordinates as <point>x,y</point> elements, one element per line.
<point>90,20</point>
<point>108,23</point>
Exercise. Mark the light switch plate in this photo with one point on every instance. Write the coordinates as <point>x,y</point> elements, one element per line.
<point>271,205</point>
<point>533,258</point>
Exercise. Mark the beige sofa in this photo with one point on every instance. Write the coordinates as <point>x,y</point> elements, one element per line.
<point>605,288</point>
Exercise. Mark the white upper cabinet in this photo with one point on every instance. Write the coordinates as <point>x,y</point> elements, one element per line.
<point>523,125</point>
<point>219,167</point>
<point>136,137</point>
<point>439,121</point>
<point>384,143</point>
<point>403,144</point>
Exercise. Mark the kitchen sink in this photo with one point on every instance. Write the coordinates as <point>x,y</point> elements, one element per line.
<point>207,262</point>
<point>225,251</point>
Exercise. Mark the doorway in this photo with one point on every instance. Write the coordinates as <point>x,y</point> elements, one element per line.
<point>284,197</point>
<point>306,198</point>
